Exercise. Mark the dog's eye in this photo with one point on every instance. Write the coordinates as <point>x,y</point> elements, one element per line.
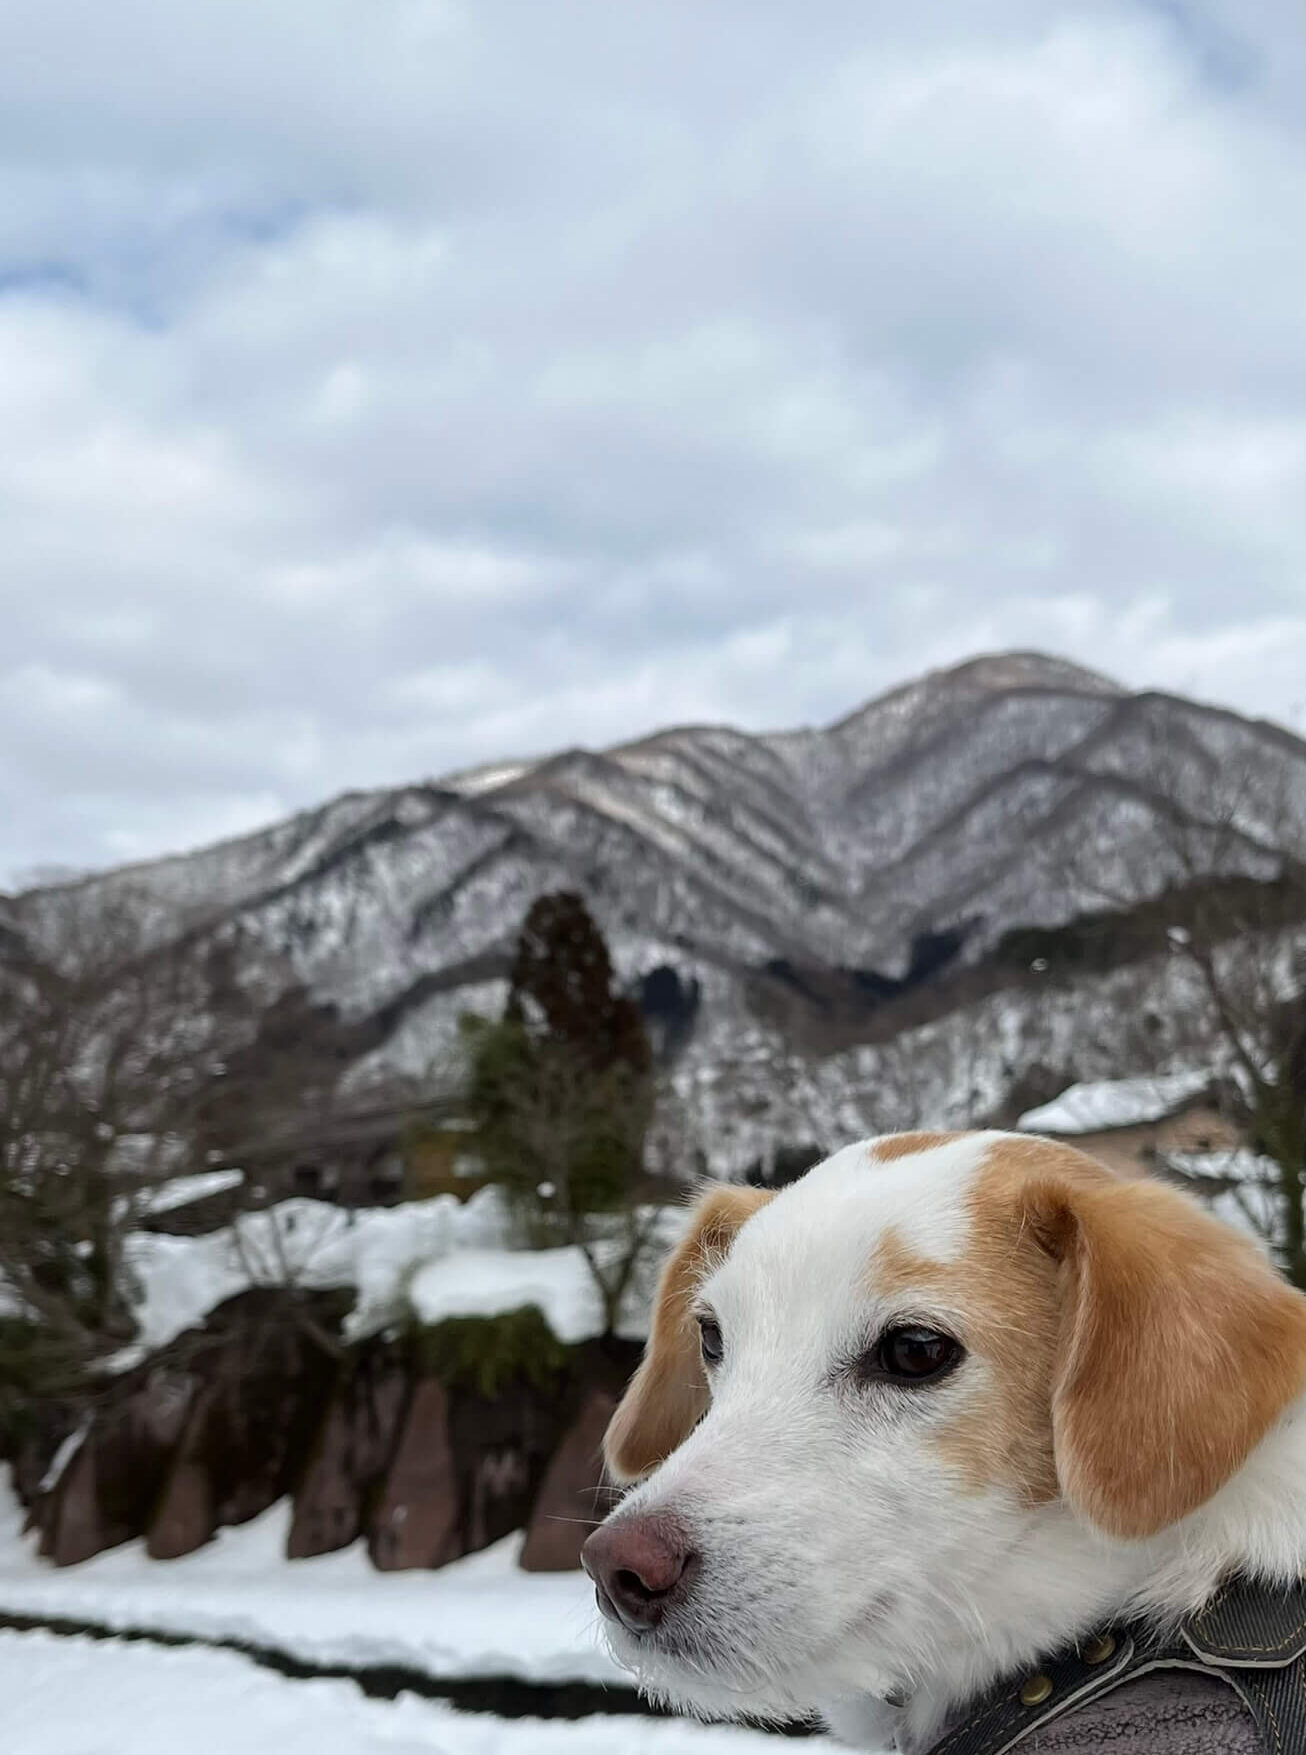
<point>709,1340</point>
<point>911,1354</point>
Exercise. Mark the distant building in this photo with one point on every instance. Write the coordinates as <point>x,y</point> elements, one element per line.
<point>1136,1125</point>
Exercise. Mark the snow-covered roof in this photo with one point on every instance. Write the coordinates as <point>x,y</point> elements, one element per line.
<point>183,1190</point>
<point>180,1191</point>
<point>1095,1108</point>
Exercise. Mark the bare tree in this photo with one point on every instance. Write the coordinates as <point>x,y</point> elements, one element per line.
<point>1221,875</point>
<point>106,1043</point>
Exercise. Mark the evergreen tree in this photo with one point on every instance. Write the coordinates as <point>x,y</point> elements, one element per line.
<point>562,1094</point>
<point>562,981</point>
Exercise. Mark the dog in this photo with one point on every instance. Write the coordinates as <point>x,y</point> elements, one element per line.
<point>948,1402</point>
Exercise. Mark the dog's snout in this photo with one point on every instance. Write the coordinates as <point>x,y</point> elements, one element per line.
<point>638,1564</point>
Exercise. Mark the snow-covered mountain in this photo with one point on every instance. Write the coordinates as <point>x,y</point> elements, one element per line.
<point>891,848</point>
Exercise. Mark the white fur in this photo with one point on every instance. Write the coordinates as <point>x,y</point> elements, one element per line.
<point>842,1562</point>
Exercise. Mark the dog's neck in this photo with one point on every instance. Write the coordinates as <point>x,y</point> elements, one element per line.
<point>1061,1581</point>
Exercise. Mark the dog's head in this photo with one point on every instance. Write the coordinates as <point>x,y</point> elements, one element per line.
<point>941,1392</point>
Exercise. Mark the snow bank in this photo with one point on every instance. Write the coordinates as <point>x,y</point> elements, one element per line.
<point>1092,1108</point>
<point>431,1258</point>
<point>87,1697</point>
<point>480,1282</point>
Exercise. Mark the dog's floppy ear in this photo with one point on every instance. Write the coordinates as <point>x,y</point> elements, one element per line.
<point>667,1396</point>
<point>1179,1347</point>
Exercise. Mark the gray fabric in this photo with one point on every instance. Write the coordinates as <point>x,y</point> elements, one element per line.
<point>1180,1714</point>
<point>1249,1639</point>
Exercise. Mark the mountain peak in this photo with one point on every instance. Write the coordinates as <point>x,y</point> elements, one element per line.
<point>990,673</point>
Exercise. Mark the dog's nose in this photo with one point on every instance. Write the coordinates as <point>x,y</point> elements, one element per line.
<point>636,1564</point>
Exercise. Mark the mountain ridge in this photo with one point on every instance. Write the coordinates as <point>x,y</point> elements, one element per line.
<point>941,815</point>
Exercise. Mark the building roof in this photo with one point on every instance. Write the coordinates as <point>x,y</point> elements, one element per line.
<point>1096,1108</point>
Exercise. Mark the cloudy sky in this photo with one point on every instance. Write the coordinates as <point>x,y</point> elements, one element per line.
<point>392,385</point>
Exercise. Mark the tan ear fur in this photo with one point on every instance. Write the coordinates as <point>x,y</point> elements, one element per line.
<point>1179,1348</point>
<point>668,1395</point>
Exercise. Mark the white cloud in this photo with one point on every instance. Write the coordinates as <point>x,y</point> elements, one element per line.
<point>394,387</point>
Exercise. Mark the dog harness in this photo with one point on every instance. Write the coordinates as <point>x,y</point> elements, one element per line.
<point>1251,1637</point>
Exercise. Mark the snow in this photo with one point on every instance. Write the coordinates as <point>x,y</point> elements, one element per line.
<point>481,1616</point>
<point>143,1154</point>
<point>78,1696</point>
<point>181,1191</point>
<point>1250,1208</point>
<point>480,1282</point>
<point>1091,1108</point>
<point>429,1259</point>
<point>1237,1164</point>
<point>63,1456</point>
<point>1239,1186</point>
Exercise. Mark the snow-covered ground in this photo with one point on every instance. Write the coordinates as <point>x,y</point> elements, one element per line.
<point>84,1697</point>
<point>481,1616</point>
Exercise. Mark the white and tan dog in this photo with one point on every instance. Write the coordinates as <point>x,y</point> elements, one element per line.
<point>947,1403</point>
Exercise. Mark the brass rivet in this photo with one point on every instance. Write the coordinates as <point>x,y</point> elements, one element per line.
<point>1098,1650</point>
<point>1036,1690</point>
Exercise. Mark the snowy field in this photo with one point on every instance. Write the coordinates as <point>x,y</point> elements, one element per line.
<point>73,1695</point>
<point>76,1696</point>
<point>481,1616</point>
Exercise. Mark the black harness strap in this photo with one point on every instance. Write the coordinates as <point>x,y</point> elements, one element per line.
<point>1251,1637</point>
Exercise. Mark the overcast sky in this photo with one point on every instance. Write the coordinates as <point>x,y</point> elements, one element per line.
<point>394,385</point>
